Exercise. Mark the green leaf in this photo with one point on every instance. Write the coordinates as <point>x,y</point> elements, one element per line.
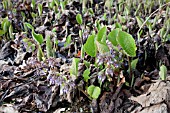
<point>101,36</point>
<point>102,47</point>
<point>2,32</point>
<point>112,36</point>
<point>68,41</point>
<point>40,54</point>
<point>29,26</point>
<point>86,74</point>
<point>82,51</point>
<point>133,63</point>
<point>127,42</point>
<point>40,9</point>
<point>37,37</point>
<point>10,32</point>
<point>54,29</point>
<point>163,72</point>
<point>90,90</point>
<point>33,4</point>
<point>74,67</point>
<point>87,64</point>
<point>49,47</point>
<point>94,91</point>
<point>90,47</point>
<point>33,15</point>
<point>139,21</point>
<point>122,19</point>
<point>5,25</point>
<point>118,25</point>
<point>79,19</point>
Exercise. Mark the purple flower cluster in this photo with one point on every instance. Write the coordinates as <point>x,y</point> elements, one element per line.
<point>111,61</point>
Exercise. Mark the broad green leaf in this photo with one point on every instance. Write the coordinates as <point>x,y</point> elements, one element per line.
<point>86,74</point>
<point>90,47</point>
<point>37,37</point>
<point>74,67</point>
<point>49,47</point>
<point>163,72</point>
<point>102,34</point>
<point>2,32</point>
<point>94,91</point>
<point>90,90</point>
<point>102,47</point>
<point>79,19</point>
<point>29,26</point>
<point>127,42</point>
<point>112,36</point>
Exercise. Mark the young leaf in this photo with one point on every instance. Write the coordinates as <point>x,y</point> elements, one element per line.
<point>40,54</point>
<point>90,47</point>
<point>163,72</point>
<point>5,25</point>
<point>54,29</point>
<point>74,67</point>
<point>82,51</point>
<point>2,32</point>
<point>94,91</point>
<point>79,19</point>
<point>90,90</point>
<point>68,41</point>
<point>49,47</point>
<point>33,4</point>
<point>40,9</point>
<point>101,47</point>
<point>102,34</point>
<point>37,37</point>
<point>112,36</point>
<point>10,32</point>
<point>127,42</point>
<point>133,63</point>
<point>87,64</point>
<point>29,25</point>
<point>118,25</point>
<point>139,21</point>
<point>86,75</point>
